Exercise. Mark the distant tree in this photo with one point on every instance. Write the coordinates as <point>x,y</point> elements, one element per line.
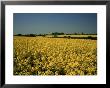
<point>39,34</point>
<point>89,37</point>
<point>19,34</point>
<point>69,37</point>
<point>75,33</point>
<point>62,33</point>
<point>32,35</point>
<point>82,33</point>
<point>55,34</point>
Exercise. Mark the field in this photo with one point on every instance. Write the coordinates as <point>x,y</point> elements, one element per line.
<point>54,56</point>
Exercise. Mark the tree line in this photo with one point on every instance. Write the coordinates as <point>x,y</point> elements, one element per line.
<point>54,34</point>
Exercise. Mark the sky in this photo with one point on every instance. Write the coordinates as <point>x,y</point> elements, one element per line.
<point>41,23</point>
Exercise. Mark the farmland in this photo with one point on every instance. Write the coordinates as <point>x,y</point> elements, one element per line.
<point>54,56</point>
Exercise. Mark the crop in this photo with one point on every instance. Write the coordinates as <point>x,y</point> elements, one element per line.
<point>54,56</point>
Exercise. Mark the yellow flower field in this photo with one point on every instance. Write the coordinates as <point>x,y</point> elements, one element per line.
<point>54,56</point>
